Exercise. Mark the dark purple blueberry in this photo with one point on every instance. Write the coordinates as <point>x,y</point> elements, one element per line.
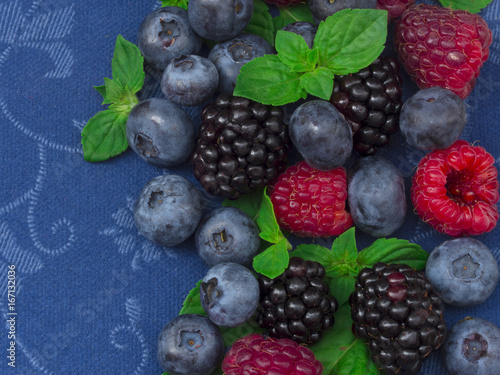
<point>463,271</point>
<point>306,30</point>
<point>165,34</point>
<point>190,344</point>
<point>168,210</point>
<point>227,234</point>
<point>160,132</point>
<point>433,118</point>
<point>231,55</point>
<point>322,9</point>
<point>219,20</point>
<point>189,80</point>
<point>473,347</point>
<point>229,294</point>
<point>321,135</point>
<point>376,196</point>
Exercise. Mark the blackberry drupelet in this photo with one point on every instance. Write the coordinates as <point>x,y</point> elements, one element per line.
<point>241,146</point>
<point>370,100</point>
<point>400,314</point>
<point>296,305</point>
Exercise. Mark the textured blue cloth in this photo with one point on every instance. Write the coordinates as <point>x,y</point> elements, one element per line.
<point>91,294</point>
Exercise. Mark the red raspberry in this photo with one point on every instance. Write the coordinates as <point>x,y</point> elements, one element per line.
<point>442,47</point>
<point>456,190</point>
<point>256,355</point>
<point>311,203</point>
<point>395,8</point>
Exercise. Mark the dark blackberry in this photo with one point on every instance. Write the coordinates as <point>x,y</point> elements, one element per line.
<point>241,146</point>
<point>370,100</point>
<point>400,314</point>
<point>296,305</point>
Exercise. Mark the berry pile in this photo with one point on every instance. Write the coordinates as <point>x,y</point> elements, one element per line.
<point>241,146</point>
<point>296,305</point>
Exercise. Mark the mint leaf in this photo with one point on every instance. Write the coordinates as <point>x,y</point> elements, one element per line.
<point>316,253</point>
<point>192,303</point>
<point>344,246</point>
<point>341,287</point>
<point>273,261</point>
<point>269,229</point>
<point>393,250</point>
<point>268,80</point>
<point>291,14</point>
<point>104,136</point>
<point>261,22</point>
<point>318,83</point>
<point>356,359</point>
<point>175,3</point>
<point>350,40</point>
<point>102,90</point>
<point>114,90</point>
<point>293,51</point>
<point>248,203</point>
<point>473,6</point>
<point>128,64</point>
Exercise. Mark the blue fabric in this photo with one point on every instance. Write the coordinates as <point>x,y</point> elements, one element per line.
<point>92,294</point>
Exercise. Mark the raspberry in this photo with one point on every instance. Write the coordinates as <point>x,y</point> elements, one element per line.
<point>241,146</point>
<point>255,354</point>
<point>311,203</point>
<point>370,100</point>
<point>395,8</point>
<point>442,47</point>
<point>455,190</point>
<point>296,304</point>
<point>400,314</point>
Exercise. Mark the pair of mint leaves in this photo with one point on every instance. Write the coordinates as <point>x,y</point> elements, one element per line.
<point>339,350</point>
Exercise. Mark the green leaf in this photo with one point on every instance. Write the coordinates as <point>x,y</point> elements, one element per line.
<point>473,6</point>
<point>114,90</point>
<point>318,83</point>
<point>232,334</point>
<point>344,247</point>
<point>341,287</point>
<point>104,136</point>
<point>356,359</point>
<point>273,261</point>
<point>128,64</point>
<point>316,253</point>
<point>248,203</point>
<point>269,81</point>
<point>192,303</point>
<point>350,40</point>
<point>102,90</point>
<point>291,14</point>
<point>293,51</point>
<point>393,250</point>
<point>269,229</point>
<point>175,3</point>
<point>261,22</point>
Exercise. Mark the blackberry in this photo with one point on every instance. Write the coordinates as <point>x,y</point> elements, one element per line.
<point>296,305</point>
<point>400,314</point>
<point>241,146</point>
<point>370,100</point>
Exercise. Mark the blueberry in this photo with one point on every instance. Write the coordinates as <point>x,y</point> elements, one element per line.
<point>231,55</point>
<point>473,347</point>
<point>160,132</point>
<point>168,210</point>
<point>306,30</point>
<point>376,196</point>
<point>229,294</point>
<point>227,234</point>
<point>219,19</point>
<point>432,118</point>
<point>463,271</point>
<point>189,80</point>
<point>322,9</point>
<point>165,34</point>
<point>190,344</point>
<point>321,134</point>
